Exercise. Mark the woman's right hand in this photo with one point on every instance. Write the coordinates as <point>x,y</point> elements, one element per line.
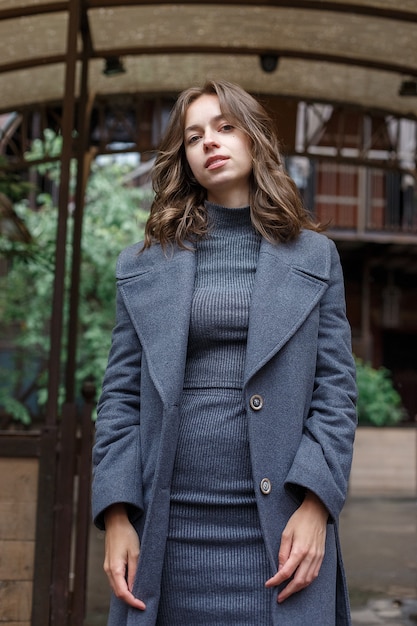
<point>121,554</point>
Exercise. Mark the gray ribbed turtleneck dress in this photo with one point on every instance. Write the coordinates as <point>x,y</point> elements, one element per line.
<point>215,562</point>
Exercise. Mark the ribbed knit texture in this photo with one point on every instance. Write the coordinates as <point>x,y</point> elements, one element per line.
<point>215,563</point>
<point>226,265</point>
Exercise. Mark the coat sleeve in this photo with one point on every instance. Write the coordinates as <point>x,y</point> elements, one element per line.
<point>116,452</point>
<point>323,460</point>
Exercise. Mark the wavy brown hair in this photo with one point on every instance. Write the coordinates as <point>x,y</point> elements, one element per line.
<point>177,213</point>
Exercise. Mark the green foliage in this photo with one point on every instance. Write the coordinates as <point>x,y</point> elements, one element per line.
<point>13,407</point>
<point>114,217</point>
<point>48,150</point>
<point>11,184</point>
<point>379,404</point>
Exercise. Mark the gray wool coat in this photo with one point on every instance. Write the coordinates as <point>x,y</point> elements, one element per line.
<point>301,428</point>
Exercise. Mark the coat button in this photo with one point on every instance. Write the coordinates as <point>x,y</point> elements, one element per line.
<point>266,486</point>
<point>256,402</point>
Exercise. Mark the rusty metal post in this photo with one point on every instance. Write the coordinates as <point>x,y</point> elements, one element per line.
<point>63,518</point>
<point>55,553</point>
<point>80,536</point>
<point>41,603</point>
<point>83,171</point>
<point>83,519</point>
<point>59,279</point>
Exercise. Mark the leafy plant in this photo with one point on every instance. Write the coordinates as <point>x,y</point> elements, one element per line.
<point>114,217</point>
<point>11,184</point>
<point>379,404</point>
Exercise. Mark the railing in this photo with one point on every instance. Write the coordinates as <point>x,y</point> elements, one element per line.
<point>365,203</point>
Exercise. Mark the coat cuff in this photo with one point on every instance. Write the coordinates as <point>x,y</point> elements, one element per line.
<point>311,471</point>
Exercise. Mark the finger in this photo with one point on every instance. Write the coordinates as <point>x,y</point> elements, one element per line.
<point>300,564</point>
<point>120,588</point>
<point>284,572</point>
<point>285,548</point>
<point>305,574</point>
<point>119,584</point>
<point>294,586</point>
<point>130,599</point>
<point>288,591</point>
<point>131,571</point>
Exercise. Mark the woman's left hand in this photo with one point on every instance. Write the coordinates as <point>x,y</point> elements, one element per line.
<point>302,547</point>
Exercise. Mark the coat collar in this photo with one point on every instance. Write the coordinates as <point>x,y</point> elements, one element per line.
<point>158,289</point>
<point>290,280</point>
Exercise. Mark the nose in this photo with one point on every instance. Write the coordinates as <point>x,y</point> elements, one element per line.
<point>209,141</point>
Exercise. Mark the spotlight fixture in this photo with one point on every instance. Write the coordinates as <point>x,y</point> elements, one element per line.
<point>113,66</point>
<point>408,87</point>
<point>269,62</point>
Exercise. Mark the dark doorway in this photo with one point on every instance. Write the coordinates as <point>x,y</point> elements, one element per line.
<point>400,357</point>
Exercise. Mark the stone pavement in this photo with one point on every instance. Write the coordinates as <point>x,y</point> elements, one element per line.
<point>386,612</point>
<point>379,543</point>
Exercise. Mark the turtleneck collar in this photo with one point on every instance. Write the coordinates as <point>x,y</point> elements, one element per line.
<point>221,217</point>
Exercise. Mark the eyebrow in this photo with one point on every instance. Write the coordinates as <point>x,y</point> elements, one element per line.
<point>216,118</point>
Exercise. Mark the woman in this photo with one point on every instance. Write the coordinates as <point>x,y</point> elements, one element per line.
<point>226,422</point>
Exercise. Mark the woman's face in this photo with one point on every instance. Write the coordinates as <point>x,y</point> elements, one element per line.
<point>218,153</point>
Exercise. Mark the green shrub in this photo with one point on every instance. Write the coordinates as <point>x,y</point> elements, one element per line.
<point>379,404</point>
<point>114,218</point>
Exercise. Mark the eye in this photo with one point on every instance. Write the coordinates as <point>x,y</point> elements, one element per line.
<point>192,139</point>
<point>227,128</point>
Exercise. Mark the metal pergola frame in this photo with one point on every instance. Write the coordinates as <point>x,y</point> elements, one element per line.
<point>80,60</point>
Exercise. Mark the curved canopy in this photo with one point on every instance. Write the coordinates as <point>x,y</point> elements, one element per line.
<point>358,53</point>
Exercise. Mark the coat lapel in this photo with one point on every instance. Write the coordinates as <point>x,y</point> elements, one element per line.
<point>159,302</point>
<point>289,283</point>
<point>290,280</point>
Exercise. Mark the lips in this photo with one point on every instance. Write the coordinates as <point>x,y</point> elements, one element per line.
<point>215,161</point>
